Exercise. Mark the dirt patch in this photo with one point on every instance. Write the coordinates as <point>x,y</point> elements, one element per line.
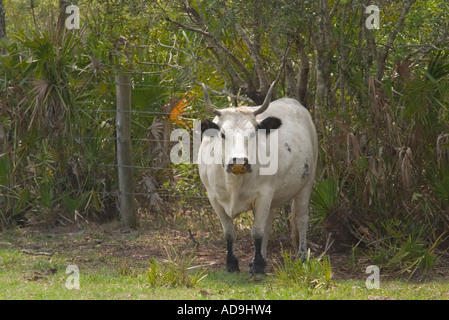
<point>106,244</point>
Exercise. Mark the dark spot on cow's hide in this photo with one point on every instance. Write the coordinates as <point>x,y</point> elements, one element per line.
<point>288,147</point>
<point>305,172</point>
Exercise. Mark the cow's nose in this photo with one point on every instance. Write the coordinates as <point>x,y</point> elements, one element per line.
<point>239,166</point>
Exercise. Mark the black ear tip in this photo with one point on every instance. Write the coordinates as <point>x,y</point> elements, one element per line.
<point>270,123</point>
<point>208,124</point>
<point>204,125</point>
<point>278,122</point>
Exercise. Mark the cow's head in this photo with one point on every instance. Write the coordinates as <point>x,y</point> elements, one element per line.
<point>237,130</point>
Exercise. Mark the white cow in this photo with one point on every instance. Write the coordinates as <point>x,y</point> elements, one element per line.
<point>235,183</point>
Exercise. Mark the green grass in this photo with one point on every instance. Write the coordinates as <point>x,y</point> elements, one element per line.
<point>158,263</point>
<point>29,277</point>
<point>309,274</point>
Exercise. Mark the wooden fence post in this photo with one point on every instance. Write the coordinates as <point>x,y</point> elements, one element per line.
<point>124,152</point>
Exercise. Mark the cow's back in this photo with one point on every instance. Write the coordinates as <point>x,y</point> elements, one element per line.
<point>297,148</point>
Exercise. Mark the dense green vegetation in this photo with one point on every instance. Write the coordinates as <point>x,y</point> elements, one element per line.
<point>379,98</point>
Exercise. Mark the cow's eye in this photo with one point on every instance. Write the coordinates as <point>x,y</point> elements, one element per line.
<point>222,135</point>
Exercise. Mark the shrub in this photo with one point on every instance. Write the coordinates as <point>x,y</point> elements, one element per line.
<point>312,273</point>
<point>177,271</point>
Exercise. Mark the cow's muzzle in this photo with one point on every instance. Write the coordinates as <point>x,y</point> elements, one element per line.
<point>238,166</point>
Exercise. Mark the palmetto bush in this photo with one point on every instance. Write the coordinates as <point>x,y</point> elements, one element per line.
<point>391,164</point>
<point>312,273</point>
<point>177,271</point>
<point>47,169</point>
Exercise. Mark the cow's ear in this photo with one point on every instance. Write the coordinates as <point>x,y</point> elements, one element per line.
<point>270,123</point>
<point>206,125</point>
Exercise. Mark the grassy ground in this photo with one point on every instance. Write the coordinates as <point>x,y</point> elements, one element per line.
<point>112,265</point>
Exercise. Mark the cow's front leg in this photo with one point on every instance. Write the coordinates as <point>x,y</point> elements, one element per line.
<point>258,264</point>
<point>263,220</point>
<point>232,263</point>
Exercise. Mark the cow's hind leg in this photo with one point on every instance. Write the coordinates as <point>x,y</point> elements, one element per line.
<point>300,219</point>
<point>267,232</point>
<point>232,263</point>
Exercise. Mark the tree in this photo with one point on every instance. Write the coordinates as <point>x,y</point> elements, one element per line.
<point>382,54</point>
<point>63,4</point>
<point>379,96</point>
<point>238,44</point>
<point>2,20</point>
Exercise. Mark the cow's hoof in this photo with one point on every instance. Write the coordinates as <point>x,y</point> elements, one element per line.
<point>302,256</point>
<point>232,265</point>
<point>233,268</point>
<point>257,268</point>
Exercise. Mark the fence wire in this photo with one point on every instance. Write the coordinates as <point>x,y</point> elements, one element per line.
<point>132,139</point>
<point>136,112</point>
<point>161,193</point>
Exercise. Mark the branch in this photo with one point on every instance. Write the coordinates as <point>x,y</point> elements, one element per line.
<point>186,27</point>
<point>230,95</point>
<point>399,24</point>
<point>36,253</point>
<point>424,49</point>
<point>383,54</point>
<point>217,43</point>
<point>334,9</point>
<point>255,54</point>
<point>303,77</point>
<point>232,73</point>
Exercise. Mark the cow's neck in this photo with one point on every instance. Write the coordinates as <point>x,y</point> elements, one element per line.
<point>234,182</point>
<point>235,187</point>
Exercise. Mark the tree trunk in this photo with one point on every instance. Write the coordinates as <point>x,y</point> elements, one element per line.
<point>303,77</point>
<point>63,4</point>
<point>342,61</point>
<point>321,40</point>
<point>2,20</point>
<point>382,54</point>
